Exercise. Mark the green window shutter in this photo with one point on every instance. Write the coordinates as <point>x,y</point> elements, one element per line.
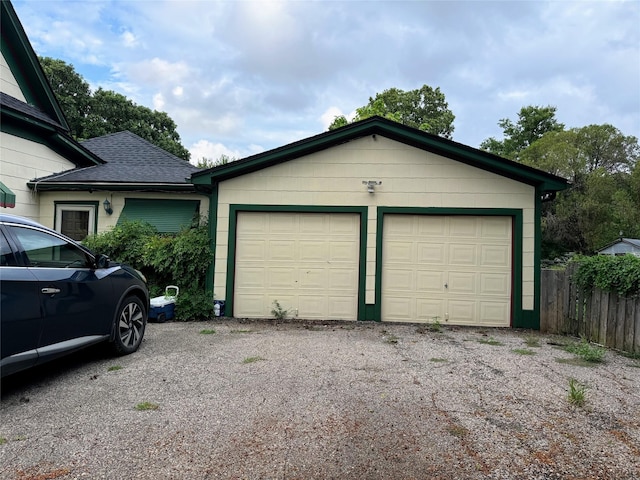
<point>168,216</point>
<point>7,197</point>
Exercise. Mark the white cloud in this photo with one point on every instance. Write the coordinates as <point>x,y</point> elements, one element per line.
<point>158,102</point>
<point>212,151</point>
<point>129,40</point>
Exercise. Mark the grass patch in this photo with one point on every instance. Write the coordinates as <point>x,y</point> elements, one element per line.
<point>490,341</point>
<point>633,356</point>
<point>207,331</point>
<point>531,341</point>
<point>523,351</point>
<point>241,331</point>
<point>3,440</point>
<point>392,339</point>
<point>252,359</point>
<point>586,351</point>
<point>576,361</point>
<point>457,430</point>
<point>438,360</point>
<point>144,406</point>
<point>577,393</point>
<point>114,368</point>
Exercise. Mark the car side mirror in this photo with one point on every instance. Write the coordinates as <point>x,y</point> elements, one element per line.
<point>102,261</point>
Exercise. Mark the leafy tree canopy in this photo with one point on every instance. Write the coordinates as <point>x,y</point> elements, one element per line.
<point>103,112</point>
<point>223,159</point>
<point>424,108</point>
<point>533,122</point>
<point>602,164</point>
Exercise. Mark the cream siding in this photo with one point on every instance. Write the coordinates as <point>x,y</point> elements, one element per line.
<point>8,83</point>
<point>21,161</point>
<point>410,177</point>
<point>117,199</point>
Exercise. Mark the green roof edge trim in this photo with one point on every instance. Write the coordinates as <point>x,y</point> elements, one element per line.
<point>379,126</point>
<point>24,64</point>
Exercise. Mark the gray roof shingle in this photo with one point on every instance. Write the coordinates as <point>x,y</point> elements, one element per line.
<point>129,159</point>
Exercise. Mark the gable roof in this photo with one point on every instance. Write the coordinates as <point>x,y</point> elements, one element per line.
<point>627,244</point>
<point>40,118</point>
<point>547,183</point>
<point>130,163</point>
<point>25,66</point>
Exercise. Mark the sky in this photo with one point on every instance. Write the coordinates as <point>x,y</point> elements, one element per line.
<point>242,77</point>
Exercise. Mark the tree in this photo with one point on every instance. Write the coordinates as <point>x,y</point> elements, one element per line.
<point>424,108</point>
<point>223,159</point>
<point>72,92</point>
<point>604,199</point>
<point>103,112</point>
<point>533,122</point>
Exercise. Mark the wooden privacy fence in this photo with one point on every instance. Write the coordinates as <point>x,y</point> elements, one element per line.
<point>601,317</point>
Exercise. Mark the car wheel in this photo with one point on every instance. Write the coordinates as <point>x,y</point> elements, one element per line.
<point>130,324</point>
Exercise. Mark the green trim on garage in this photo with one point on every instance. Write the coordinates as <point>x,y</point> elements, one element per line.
<point>213,236</point>
<point>167,216</point>
<point>231,254</point>
<point>515,214</point>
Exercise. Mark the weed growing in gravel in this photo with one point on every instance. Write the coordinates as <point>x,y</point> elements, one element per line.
<point>457,430</point>
<point>531,341</point>
<point>391,339</point>
<point>143,406</point>
<point>434,326</point>
<point>490,341</point>
<point>278,312</point>
<point>240,331</point>
<point>586,351</point>
<point>114,368</point>
<point>523,351</point>
<point>252,359</point>
<point>577,392</point>
<point>207,331</point>
<point>438,360</point>
<point>3,440</point>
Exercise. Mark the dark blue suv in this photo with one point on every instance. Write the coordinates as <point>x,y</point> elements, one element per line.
<point>56,297</point>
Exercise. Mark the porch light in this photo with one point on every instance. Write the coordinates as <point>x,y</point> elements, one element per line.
<point>371,184</point>
<point>107,206</point>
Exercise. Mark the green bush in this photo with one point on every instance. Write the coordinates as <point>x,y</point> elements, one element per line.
<point>619,274</point>
<point>194,305</point>
<point>181,259</point>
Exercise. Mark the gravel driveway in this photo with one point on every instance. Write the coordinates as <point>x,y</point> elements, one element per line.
<point>256,400</point>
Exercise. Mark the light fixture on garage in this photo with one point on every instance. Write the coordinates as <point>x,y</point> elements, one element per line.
<point>371,184</point>
<point>107,206</point>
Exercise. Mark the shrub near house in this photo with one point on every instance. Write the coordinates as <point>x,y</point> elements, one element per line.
<point>181,259</point>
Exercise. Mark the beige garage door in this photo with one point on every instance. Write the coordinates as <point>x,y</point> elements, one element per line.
<point>456,269</point>
<point>308,262</point>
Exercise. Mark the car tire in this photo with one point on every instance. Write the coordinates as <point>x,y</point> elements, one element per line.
<point>130,324</point>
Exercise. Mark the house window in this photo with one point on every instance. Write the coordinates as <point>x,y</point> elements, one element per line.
<point>76,220</point>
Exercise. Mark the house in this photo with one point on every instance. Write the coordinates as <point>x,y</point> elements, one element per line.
<point>78,188</point>
<point>137,181</point>
<point>622,246</point>
<point>379,221</point>
<point>34,135</point>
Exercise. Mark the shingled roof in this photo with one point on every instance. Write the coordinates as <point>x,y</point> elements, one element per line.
<point>129,161</point>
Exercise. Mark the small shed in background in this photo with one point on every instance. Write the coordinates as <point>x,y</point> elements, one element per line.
<point>622,246</point>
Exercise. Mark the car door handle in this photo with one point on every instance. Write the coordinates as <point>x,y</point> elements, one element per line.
<point>50,291</point>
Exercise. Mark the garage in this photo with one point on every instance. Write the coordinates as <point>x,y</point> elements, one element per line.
<point>308,262</point>
<point>382,222</point>
<point>453,269</point>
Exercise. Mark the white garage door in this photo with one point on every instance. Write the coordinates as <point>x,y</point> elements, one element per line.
<point>308,262</point>
<point>456,269</point>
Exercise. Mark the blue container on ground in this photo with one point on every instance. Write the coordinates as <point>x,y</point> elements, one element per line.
<point>163,308</point>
